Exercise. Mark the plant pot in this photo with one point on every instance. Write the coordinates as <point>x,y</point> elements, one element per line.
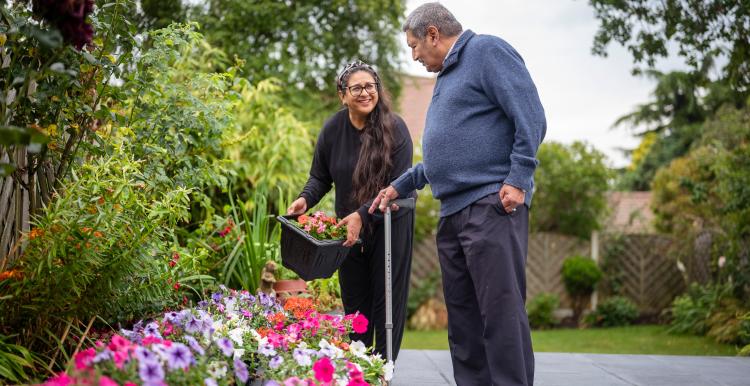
<point>307,256</point>
<point>291,287</point>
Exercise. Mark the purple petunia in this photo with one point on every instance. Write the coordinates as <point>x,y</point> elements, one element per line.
<point>179,356</point>
<point>150,372</point>
<point>276,362</point>
<point>240,370</point>
<point>172,317</point>
<point>226,346</point>
<point>210,382</point>
<point>145,355</point>
<point>194,345</point>
<point>266,349</point>
<point>152,329</point>
<point>192,325</point>
<point>216,297</point>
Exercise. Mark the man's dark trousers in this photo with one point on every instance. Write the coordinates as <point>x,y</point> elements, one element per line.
<point>482,252</point>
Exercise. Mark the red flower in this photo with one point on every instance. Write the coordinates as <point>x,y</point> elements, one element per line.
<point>172,263</point>
<point>303,219</point>
<point>176,286</point>
<point>359,324</point>
<point>323,369</point>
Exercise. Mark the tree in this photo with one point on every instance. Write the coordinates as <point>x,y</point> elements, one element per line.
<point>700,29</point>
<point>305,43</point>
<point>706,192</point>
<point>570,191</point>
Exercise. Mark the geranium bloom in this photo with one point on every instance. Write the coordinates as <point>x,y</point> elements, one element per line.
<point>323,369</point>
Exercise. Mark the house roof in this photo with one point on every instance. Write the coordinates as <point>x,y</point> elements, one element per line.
<point>631,212</point>
<point>416,94</point>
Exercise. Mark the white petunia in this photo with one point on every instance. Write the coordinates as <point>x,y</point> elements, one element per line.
<point>388,371</point>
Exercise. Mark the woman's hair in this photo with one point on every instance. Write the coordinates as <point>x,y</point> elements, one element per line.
<point>374,165</point>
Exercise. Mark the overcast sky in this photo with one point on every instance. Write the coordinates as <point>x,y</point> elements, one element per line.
<point>582,94</point>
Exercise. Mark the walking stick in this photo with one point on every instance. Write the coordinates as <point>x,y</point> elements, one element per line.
<point>402,203</point>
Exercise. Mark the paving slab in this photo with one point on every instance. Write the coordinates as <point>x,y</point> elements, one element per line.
<point>434,368</point>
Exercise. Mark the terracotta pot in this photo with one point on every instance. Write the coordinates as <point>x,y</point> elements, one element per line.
<point>292,287</point>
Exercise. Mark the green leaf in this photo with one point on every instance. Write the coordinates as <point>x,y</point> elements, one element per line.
<point>6,169</point>
<point>14,135</point>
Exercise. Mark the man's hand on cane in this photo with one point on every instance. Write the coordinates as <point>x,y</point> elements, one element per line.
<point>384,197</point>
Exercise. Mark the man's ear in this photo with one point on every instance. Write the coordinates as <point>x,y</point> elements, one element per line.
<point>433,35</point>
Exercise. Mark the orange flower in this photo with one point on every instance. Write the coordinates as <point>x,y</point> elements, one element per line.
<point>36,232</point>
<point>303,219</point>
<point>299,307</point>
<point>11,274</point>
<point>98,234</point>
<point>277,318</point>
<point>263,331</point>
<point>86,230</point>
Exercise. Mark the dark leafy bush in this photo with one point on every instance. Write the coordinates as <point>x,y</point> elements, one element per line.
<point>541,309</point>
<point>580,275</point>
<point>615,311</point>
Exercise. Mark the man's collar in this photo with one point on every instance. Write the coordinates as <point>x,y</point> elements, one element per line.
<point>453,53</point>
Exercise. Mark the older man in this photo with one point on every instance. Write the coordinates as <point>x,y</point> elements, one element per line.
<point>482,131</point>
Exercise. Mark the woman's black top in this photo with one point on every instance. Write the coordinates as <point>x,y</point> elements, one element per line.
<point>336,156</point>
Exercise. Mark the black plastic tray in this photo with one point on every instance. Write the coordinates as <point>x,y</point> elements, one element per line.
<point>307,256</point>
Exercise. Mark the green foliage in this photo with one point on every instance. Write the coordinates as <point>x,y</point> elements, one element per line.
<point>570,192</point>
<point>257,243</point>
<point>427,212</point>
<point>541,311</point>
<point>15,361</point>
<point>580,275</point>
<point>690,312</point>
<point>700,29</point>
<point>422,290</point>
<point>271,150</point>
<point>306,43</point>
<point>99,251</point>
<point>326,292</point>
<point>54,98</point>
<point>613,312</point>
<point>706,191</point>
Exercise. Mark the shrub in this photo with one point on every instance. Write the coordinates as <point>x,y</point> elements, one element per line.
<point>613,312</point>
<point>690,312</point>
<point>541,309</point>
<point>580,275</point>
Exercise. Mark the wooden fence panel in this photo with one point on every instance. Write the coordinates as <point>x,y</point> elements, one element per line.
<point>651,278</point>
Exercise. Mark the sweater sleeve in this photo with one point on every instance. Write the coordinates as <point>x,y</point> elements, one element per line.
<point>507,83</point>
<point>402,155</point>
<point>320,181</point>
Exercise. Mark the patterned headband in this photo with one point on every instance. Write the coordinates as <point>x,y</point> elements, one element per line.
<point>357,64</point>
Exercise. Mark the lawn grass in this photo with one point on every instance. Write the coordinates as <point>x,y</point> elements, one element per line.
<point>620,340</point>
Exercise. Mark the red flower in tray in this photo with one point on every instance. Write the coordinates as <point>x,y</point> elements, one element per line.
<point>320,226</point>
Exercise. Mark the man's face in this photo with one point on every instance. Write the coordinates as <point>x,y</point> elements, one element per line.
<point>425,51</point>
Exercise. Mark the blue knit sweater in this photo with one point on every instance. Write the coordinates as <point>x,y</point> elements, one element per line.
<point>483,127</point>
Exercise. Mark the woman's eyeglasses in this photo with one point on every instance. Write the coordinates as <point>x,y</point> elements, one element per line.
<point>356,90</point>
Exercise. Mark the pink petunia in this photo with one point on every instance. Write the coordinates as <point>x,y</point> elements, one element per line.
<point>62,379</point>
<point>83,359</point>
<point>359,324</point>
<point>323,369</point>
<point>105,381</point>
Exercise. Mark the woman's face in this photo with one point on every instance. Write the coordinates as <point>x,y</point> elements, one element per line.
<point>360,93</point>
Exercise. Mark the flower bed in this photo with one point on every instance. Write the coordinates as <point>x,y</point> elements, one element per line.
<point>233,338</point>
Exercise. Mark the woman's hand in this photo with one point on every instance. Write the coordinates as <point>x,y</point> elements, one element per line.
<point>299,206</point>
<point>353,224</point>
